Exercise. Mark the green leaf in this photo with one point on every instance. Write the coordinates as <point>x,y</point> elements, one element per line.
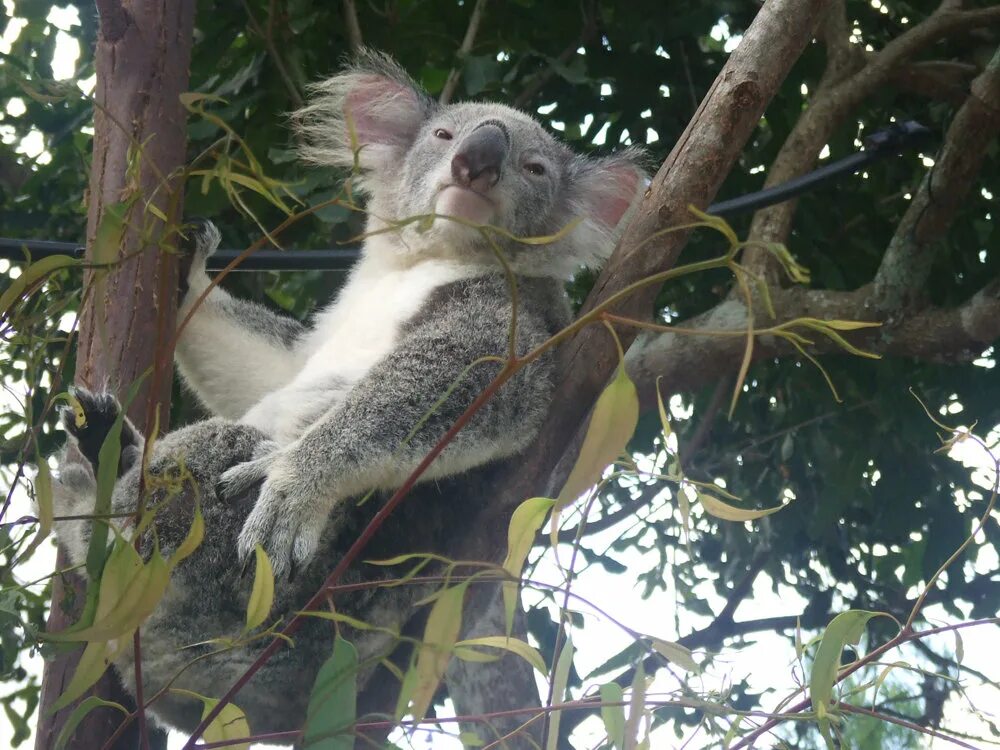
<point>31,276</point>
<point>333,701</point>
<point>560,677</point>
<point>612,423</point>
<point>108,239</point>
<point>87,705</point>
<point>440,635</point>
<point>845,628</point>
<point>613,713</point>
<point>525,522</point>
<point>675,653</point>
<point>262,595</point>
<point>93,662</point>
<point>514,645</point>
<point>726,512</point>
<point>636,707</point>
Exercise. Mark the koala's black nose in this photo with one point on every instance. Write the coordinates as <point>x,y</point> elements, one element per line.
<point>480,157</point>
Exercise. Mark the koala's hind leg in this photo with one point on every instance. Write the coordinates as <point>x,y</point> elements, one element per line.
<point>100,410</point>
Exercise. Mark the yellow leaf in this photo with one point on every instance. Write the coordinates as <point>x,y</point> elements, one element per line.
<point>262,595</point>
<point>193,539</point>
<point>611,426</point>
<point>525,522</point>
<point>719,509</point>
<point>675,653</point>
<point>514,645</point>
<point>443,625</point>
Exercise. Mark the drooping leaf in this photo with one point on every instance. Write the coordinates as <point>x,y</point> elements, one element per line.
<point>440,635</point>
<point>612,423</point>
<point>525,522</point>
<point>560,677</point>
<point>93,662</point>
<point>31,276</point>
<point>513,645</point>
<point>845,628</point>
<point>726,512</point>
<point>675,653</point>
<point>333,701</point>
<point>79,713</point>
<point>262,595</point>
<point>613,713</point>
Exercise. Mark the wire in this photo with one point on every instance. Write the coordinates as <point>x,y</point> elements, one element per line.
<point>901,136</point>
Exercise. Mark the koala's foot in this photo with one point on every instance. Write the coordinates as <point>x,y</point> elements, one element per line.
<point>100,411</point>
<point>199,239</point>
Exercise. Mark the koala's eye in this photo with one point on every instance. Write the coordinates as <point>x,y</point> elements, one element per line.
<point>443,134</point>
<point>534,168</point>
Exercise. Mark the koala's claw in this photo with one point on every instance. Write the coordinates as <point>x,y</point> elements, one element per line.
<point>286,525</point>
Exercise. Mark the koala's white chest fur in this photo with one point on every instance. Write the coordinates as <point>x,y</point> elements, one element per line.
<point>349,337</point>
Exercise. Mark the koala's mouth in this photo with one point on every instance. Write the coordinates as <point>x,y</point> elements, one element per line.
<point>465,203</point>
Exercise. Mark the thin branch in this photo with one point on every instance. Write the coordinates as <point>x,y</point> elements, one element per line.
<point>267,37</point>
<point>539,81</point>
<point>906,264</point>
<point>470,37</point>
<point>851,709</point>
<point>354,38</point>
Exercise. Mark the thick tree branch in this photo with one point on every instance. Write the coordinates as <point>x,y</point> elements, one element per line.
<point>470,37</point>
<point>685,362</point>
<point>833,102</point>
<point>942,80</point>
<point>907,262</point>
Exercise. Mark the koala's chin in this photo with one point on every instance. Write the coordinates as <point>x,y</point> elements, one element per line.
<point>465,204</point>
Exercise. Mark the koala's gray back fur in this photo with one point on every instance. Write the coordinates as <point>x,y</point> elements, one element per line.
<point>208,593</point>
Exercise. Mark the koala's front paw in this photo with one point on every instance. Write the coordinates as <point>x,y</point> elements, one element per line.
<point>287,521</point>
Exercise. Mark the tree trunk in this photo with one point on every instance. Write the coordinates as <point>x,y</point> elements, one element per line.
<point>127,317</point>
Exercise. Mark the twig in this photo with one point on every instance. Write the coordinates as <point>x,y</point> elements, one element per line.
<point>470,37</point>
<point>538,82</point>
<point>267,37</point>
<point>851,709</point>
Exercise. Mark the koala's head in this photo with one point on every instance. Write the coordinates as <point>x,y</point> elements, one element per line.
<point>481,164</point>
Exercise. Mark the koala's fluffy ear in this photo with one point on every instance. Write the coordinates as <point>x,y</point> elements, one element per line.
<point>376,99</point>
<point>604,193</point>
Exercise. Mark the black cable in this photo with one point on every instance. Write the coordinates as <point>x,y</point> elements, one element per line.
<point>880,144</point>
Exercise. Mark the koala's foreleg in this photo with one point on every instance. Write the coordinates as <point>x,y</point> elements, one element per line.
<point>366,443</point>
<point>231,352</point>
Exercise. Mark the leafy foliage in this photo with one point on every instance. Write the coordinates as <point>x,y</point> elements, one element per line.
<point>875,512</point>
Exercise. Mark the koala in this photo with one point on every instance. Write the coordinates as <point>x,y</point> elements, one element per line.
<point>315,425</point>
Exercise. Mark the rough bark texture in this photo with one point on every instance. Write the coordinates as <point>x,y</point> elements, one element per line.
<point>143,54</point>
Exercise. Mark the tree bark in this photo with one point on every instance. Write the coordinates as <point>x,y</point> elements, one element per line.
<point>143,55</point>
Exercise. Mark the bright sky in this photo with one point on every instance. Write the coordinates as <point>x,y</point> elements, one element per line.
<point>767,662</point>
